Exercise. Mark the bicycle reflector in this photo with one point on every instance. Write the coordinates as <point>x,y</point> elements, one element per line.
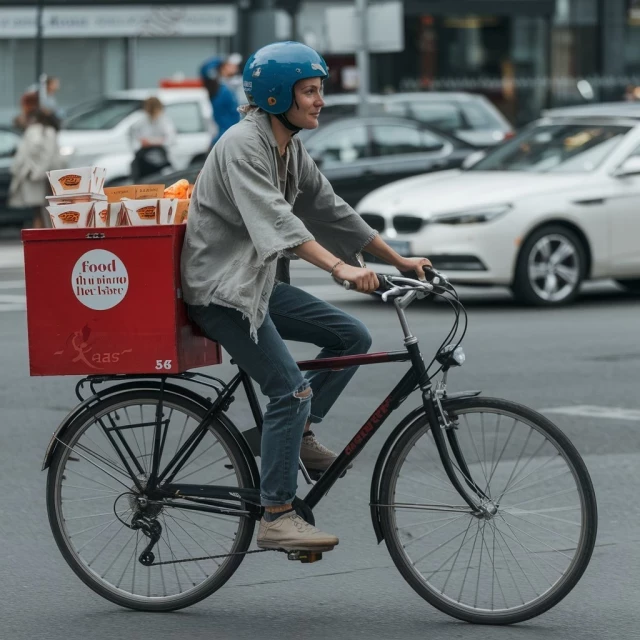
<point>451,356</point>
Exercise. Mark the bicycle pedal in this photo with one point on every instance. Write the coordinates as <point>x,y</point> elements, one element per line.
<point>306,557</point>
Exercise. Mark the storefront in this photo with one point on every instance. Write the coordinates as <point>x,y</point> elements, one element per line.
<point>95,49</point>
<point>525,55</point>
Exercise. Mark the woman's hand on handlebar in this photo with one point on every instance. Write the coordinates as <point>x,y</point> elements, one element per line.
<point>414,264</point>
<point>363,280</point>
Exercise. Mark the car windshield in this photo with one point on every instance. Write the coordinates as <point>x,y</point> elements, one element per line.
<point>102,115</point>
<point>555,148</point>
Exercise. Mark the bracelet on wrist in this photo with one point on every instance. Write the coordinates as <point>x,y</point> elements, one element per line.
<point>335,266</point>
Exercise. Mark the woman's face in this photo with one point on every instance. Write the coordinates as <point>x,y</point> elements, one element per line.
<point>307,103</point>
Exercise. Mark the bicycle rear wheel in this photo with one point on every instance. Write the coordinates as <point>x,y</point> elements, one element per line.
<point>92,499</point>
<point>533,542</point>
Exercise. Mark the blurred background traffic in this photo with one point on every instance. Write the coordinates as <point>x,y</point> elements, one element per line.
<point>501,138</point>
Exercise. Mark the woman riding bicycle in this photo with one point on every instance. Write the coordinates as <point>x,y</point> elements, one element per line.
<point>260,201</point>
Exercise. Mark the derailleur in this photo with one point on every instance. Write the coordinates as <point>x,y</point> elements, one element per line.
<point>153,530</point>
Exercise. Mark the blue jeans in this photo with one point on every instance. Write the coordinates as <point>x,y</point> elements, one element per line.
<point>299,316</point>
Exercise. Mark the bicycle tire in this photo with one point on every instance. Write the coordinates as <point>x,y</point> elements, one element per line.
<point>55,478</point>
<point>397,456</point>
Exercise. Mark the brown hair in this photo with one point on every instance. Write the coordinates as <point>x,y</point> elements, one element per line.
<point>153,106</point>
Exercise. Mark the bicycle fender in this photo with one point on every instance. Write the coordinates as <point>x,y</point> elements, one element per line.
<point>406,422</point>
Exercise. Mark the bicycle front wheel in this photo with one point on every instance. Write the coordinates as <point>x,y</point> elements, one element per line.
<point>93,500</point>
<point>534,538</point>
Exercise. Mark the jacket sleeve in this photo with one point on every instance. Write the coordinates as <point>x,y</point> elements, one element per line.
<point>268,217</point>
<point>335,225</point>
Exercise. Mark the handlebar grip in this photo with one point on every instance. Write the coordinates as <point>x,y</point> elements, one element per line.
<point>383,285</point>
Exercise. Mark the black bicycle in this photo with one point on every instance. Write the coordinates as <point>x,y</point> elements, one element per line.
<point>486,507</point>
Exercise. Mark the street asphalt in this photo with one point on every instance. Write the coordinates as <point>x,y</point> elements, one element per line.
<point>580,365</point>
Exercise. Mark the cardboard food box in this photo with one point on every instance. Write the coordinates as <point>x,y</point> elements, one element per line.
<point>182,212</point>
<point>101,214</point>
<point>72,216</point>
<point>117,215</point>
<point>65,182</point>
<point>167,208</point>
<point>134,192</point>
<point>141,212</point>
<point>80,197</point>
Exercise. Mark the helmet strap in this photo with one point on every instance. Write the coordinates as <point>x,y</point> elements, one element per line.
<point>285,121</point>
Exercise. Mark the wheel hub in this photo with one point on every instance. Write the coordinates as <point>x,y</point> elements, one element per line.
<point>139,502</point>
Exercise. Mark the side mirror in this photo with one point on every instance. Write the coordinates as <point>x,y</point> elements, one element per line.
<point>473,158</point>
<point>630,167</point>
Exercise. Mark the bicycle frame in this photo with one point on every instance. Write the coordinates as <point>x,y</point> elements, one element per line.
<point>228,500</point>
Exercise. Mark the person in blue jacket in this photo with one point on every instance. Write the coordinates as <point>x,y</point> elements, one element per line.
<point>214,74</point>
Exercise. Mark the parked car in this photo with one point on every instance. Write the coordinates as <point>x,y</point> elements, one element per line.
<point>358,155</point>
<point>545,211</point>
<point>468,116</point>
<point>9,139</point>
<point>99,132</point>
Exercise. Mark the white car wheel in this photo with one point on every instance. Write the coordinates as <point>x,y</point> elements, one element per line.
<point>550,268</point>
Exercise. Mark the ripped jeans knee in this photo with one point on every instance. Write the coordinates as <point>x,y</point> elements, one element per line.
<point>303,394</point>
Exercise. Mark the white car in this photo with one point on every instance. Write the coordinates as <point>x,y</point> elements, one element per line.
<point>543,212</point>
<point>99,133</point>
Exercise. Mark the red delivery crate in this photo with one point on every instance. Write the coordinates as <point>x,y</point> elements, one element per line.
<point>103,301</point>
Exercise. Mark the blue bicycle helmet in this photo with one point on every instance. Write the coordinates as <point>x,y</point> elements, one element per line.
<point>271,72</point>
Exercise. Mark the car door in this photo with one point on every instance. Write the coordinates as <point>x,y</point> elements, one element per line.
<point>343,154</point>
<point>405,150</point>
<point>8,146</point>
<point>623,211</point>
<point>193,137</point>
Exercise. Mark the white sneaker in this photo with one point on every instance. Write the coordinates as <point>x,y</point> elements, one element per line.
<point>314,455</point>
<point>291,533</point>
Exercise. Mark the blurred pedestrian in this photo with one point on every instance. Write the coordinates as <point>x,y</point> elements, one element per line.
<point>217,74</point>
<point>28,106</point>
<point>48,99</point>
<point>152,138</point>
<point>37,153</point>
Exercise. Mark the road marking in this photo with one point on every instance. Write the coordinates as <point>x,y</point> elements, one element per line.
<point>591,411</point>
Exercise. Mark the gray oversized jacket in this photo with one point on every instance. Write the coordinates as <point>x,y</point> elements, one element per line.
<point>239,222</point>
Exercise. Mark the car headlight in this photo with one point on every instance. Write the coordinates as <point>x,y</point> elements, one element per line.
<point>67,151</point>
<point>471,216</point>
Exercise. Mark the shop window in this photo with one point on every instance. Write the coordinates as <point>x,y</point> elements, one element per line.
<point>186,117</point>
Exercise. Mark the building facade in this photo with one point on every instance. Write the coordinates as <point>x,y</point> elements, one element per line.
<point>524,55</point>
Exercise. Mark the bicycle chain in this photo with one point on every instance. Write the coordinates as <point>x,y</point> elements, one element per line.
<point>222,555</point>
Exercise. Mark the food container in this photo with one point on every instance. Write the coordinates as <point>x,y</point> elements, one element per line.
<point>72,216</point>
<point>101,214</point>
<point>66,182</point>
<point>80,197</point>
<point>182,212</point>
<point>109,302</point>
<point>134,192</point>
<point>141,212</point>
<point>167,208</point>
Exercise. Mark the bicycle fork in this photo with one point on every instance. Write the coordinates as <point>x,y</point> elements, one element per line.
<point>480,504</point>
<point>477,500</point>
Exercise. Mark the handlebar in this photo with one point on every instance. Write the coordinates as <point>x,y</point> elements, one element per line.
<point>435,281</point>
